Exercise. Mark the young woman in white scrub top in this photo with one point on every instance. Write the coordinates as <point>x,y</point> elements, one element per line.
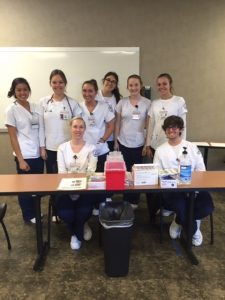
<point>99,124</point>
<point>131,120</point>
<point>57,109</point>
<point>76,156</point>
<point>167,105</point>
<point>26,132</point>
<point>110,94</point>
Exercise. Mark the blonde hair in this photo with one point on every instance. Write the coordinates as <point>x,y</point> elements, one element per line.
<point>77,118</point>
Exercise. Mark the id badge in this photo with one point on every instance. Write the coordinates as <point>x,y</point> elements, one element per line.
<point>136,115</point>
<point>34,119</point>
<point>64,115</point>
<point>91,121</point>
<point>35,126</point>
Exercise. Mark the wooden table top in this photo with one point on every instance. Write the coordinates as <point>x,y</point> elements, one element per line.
<point>48,183</point>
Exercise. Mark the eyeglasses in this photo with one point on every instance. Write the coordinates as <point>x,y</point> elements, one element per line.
<point>111,81</point>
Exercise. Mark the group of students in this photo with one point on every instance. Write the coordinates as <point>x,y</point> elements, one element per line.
<point>76,137</point>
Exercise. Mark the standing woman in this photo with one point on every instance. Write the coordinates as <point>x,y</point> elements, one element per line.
<point>99,125</point>
<point>167,105</point>
<point>110,94</point>
<point>57,111</point>
<point>131,119</point>
<point>25,128</point>
<point>76,156</point>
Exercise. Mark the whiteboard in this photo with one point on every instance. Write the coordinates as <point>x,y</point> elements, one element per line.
<point>79,64</point>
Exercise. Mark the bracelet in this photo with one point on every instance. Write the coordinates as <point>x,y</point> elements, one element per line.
<point>101,139</point>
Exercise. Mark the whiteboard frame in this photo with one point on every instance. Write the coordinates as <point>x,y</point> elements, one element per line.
<point>125,51</point>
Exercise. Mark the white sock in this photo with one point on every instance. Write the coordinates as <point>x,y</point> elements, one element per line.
<point>198,224</point>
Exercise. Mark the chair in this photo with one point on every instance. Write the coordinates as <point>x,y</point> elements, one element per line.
<point>3,208</point>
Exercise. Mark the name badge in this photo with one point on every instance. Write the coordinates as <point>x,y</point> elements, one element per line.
<point>64,115</point>
<point>136,115</point>
<point>91,121</point>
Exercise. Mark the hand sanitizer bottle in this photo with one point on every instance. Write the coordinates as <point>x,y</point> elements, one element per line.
<point>185,168</point>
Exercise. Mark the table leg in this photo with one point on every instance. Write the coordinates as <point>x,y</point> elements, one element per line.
<point>188,242</point>
<point>206,156</point>
<point>42,247</point>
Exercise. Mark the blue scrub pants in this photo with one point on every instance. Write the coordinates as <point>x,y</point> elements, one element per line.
<point>131,156</point>
<point>74,212</point>
<point>27,203</point>
<point>178,202</point>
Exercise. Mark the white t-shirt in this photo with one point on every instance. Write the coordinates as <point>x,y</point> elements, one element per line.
<point>111,101</point>
<point>96,125</point>
<point>133,122</point>
<point>57,115</point>
<point>29,127</point>
<point>81,162</point>
<point>159,111</point>
<point>168,157</point>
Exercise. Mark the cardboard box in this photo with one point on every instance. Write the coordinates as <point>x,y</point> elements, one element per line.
<point>145,174</point>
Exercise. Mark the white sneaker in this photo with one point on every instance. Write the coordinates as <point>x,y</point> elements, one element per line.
<point>175,230</point>
<point>95,212</point>
<point>75,243</point>
<point>87,232</point>
<point>108,200</point>
<point>55,219</point>
<point>197,238</point>
<point>165,212</point>
<point>33,220</point>
<point>134,206</point>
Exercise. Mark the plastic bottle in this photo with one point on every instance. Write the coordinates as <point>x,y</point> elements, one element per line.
<point>185,168</point>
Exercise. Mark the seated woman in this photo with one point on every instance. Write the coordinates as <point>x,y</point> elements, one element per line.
<point>76,156</point>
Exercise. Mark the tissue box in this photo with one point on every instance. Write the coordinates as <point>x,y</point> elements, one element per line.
<point>168,181</point>
<point>145,174</point>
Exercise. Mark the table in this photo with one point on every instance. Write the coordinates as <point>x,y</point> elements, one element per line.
<point>206,146</point>
<point>44,184</point>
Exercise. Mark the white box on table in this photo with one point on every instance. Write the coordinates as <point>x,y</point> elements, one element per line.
<point>145,174</point>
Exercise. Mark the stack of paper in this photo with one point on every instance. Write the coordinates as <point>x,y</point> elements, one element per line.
<point>96,181</point>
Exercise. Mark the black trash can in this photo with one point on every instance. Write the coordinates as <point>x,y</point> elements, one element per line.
<point>117,220</point>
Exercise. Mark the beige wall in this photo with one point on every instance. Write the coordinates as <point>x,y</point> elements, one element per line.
<point>184,38</point>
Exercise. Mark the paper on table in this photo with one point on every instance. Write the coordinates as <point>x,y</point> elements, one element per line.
<point>73,184</point>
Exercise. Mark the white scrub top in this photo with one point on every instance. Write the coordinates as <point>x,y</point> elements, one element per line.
<point>159,111</point>
<point>133,122</point>
<point>84,161</point>
<point>168,157</point>
<point>29,127</point>
<point>111,101</point>
<point>96,125</point>
<point>56,115</point>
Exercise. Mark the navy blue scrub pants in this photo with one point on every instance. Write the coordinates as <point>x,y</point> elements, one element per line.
<point>74,212</point>
<point>27,203</point>
<point>131,156</point>
<point>178,202</point>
